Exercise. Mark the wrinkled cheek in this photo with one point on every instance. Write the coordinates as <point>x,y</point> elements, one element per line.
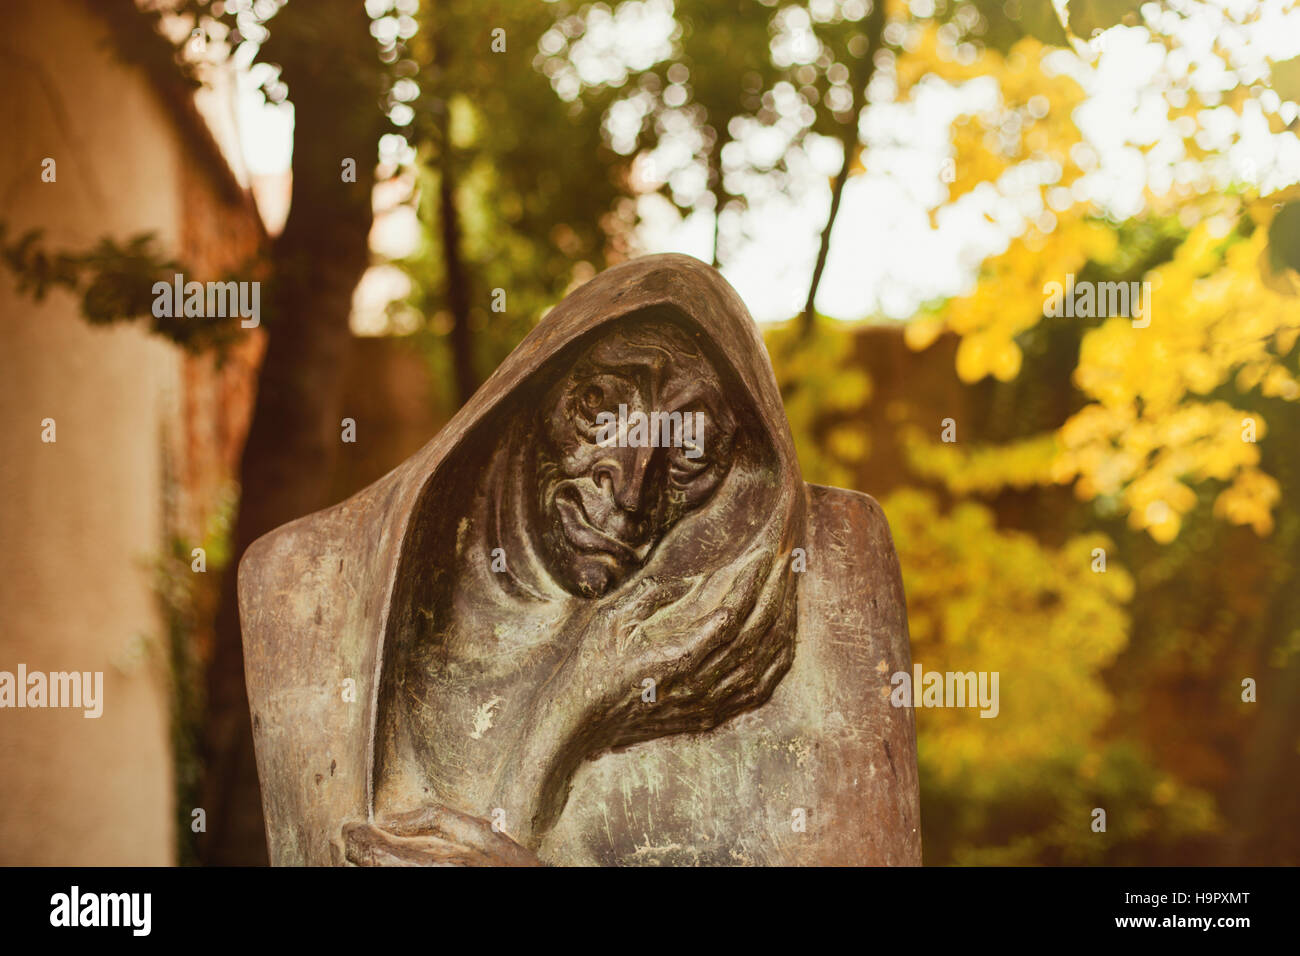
<point>674,505</point>
<point>578,461</point>
<point>699,492</point>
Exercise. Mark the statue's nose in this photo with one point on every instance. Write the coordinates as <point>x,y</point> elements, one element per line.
<point>626,470</point>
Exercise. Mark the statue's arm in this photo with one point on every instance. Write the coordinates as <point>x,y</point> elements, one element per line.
<point>433,836</point>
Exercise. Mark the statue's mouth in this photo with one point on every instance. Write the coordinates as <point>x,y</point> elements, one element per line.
<point>585,536</point>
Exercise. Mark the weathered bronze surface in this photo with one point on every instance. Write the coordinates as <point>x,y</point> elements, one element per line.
<point>599,619</point>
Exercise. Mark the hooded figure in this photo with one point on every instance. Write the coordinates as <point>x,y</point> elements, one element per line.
<point>599,618</point>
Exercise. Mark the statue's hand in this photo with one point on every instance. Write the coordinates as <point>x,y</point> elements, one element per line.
<point>432,836</point>
<point>711,647</point>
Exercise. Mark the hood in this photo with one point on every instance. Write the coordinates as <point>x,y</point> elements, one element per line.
<point>319,594</point>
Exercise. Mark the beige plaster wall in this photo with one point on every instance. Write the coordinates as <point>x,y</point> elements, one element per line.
<point>81,519</point>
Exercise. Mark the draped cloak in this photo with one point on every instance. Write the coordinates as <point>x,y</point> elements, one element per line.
<point>823,772</point>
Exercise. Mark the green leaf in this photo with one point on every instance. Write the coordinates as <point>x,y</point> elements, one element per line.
<point>1286,79</point>
<point>1088,16</point>
<point>1284,238</point>
<point>1040,20</point>
<point>1009,20</point>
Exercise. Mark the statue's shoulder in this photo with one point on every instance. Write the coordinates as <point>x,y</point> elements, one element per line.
<point>854,587</point>
<point>827,496</point>
<point>296,588</point>
<point>303,574</point>
<point>272,569</point>
<point>853,635</point>
<point>851,526</point>
<point>828,751</point>
<point>307,618</point>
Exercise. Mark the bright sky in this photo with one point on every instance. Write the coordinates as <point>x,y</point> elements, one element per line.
<point>886,259</point>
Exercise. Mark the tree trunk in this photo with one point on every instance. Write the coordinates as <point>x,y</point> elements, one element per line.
<point>1256,810</point>
<point>458,298</point>
<point>453,262</point>
<point>719,192</point>
<point>294,436</point>
<point>873,29</point>
<point>807,319</point>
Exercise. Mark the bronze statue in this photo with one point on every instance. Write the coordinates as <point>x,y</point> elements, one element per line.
<point>600,618</point>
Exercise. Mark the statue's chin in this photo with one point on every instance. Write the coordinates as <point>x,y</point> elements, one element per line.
<point>594,575</point>
<point>587,561</point>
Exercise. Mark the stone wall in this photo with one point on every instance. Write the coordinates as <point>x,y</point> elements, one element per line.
<point>83,518</point>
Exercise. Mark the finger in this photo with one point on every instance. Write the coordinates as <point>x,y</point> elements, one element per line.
<point>753,680</point>
<point>413,822</point>
<point>767,683</point>
<point>462,829</point>
<point>743,595</point>
<point>755,631</point>
<point>741,591</point>
<point>367,845</point>
<point>654,594</point>
<point>743,671</point>
<point>696,641</point>
<point>683,647</point>
<point>623,620</point>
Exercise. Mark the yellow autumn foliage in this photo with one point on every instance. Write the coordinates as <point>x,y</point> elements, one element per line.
<point>985,599</point>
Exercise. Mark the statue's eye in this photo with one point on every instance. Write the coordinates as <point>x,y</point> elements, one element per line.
<point>591,400</point>
<point>687,462</point>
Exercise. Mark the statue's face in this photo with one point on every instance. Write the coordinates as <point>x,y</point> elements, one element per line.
<point>636,435</point>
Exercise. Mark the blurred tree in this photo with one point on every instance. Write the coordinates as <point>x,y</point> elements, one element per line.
<point>852,54</point>
<point>326,51</point>
<point>800,70</point>
<point>1162,437</point>
<point>516,189</point>
<point>514,213</point>
<point>531,147</point>
<point>824,391</point>
<point>675,110</point>
<point>330,64</point>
